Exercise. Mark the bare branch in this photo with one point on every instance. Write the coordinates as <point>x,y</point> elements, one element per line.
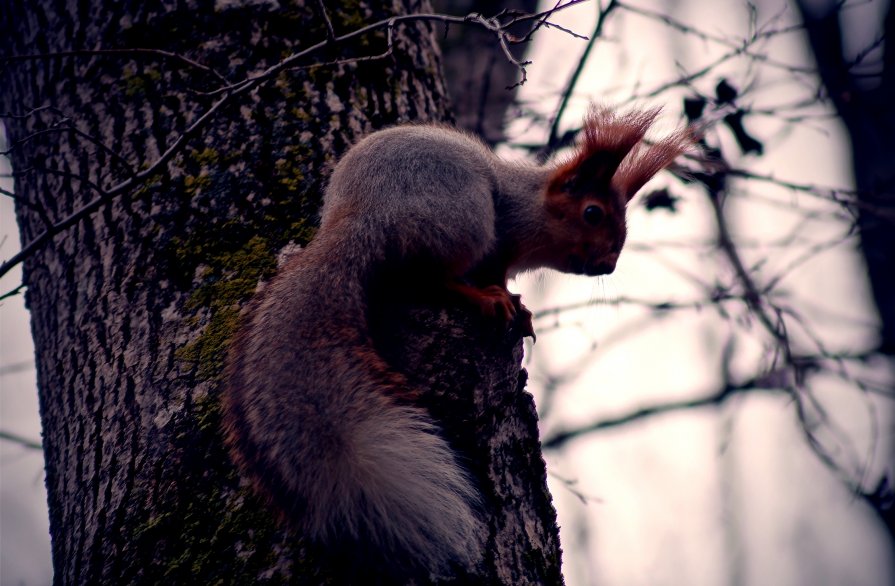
<point>553,138</point>
<point>743,45</point>
<point>36,206</point>
<point>544,22</point>
<point>570,484</point>
<point>12,292</point>
<point>65,124</point>
<point>14,367</point>
<point>22,441</point>
<point>119,52</point>
<point>752,294</point>
<point>330,32</point>
<point>556,439</point>
<point>31,112</point>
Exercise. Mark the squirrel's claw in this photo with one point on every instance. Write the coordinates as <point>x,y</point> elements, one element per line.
<point>523,317</point>
<point>495,301</point>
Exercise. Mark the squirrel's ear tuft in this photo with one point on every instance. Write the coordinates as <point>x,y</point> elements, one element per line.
<point>606,138</point>
<point>611,154</point>
<point>645,160</point>
<point>608,131</point>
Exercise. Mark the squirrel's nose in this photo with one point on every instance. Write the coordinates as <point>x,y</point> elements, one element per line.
<point>602,266</point>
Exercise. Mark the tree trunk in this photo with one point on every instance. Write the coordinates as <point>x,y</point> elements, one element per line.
<point>478,75</point>
<point>865,106</point>
<point>133,307</point>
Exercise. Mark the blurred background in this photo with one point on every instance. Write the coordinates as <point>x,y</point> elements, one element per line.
<point>720,409</point>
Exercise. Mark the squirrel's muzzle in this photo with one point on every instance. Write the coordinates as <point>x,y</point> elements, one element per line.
<point>592,267</point>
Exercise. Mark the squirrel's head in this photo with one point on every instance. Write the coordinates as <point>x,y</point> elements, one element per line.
<point>587,195</point>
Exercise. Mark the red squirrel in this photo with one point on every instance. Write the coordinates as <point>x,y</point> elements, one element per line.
<point>315,417</point>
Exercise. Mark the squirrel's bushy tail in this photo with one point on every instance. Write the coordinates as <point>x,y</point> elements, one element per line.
<point>312,415</point>
<point>400,486</point>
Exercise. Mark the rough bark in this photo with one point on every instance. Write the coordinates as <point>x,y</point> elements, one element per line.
<point>133,308</point>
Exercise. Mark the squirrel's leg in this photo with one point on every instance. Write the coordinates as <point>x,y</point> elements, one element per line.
<point>496,301</point>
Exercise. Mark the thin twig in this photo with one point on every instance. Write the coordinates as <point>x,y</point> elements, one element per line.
<point>37,207</point>
<point>123,52</point>
<point>66,125</point>
<point>13,292</point>
<point>330,32</point>
<point>22,441</point>
<point>544,22</point>
<point>553,135</point>
<point>752,294</point>
<point>556,439</point>
<point>31,112</point>
<point>742,44</point>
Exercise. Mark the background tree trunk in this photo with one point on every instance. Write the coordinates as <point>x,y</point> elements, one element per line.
<point>864,102</point>
<point>478,75</point>
<point>132,308</point>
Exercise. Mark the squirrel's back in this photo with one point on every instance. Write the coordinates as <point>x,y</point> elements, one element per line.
<point>416,192</point>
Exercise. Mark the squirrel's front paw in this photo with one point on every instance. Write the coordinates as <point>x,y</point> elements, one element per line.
<point>492,301</point>
<point>495,301</point>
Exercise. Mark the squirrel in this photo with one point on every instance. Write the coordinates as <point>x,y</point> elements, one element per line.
<point>318,421</point>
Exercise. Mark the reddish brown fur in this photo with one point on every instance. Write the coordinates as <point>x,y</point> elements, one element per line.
<point>611,163</point>
<point>612,152</point>
<point>647,160</point>
<point>606,139</point>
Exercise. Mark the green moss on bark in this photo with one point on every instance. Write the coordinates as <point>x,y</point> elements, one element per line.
<point>219,520</point>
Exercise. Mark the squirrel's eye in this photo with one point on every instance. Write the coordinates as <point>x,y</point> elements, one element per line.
<point>593,215</point>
